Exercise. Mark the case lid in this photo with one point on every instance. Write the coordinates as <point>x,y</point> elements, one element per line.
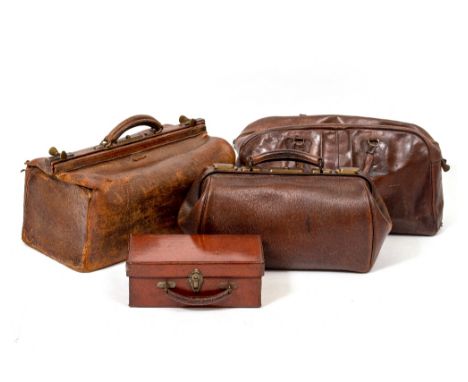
<point>238,256</point>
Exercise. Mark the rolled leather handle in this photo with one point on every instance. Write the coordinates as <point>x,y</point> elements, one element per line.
<point>199,301</point>
<point>286,155</point>
<point>129,123</point>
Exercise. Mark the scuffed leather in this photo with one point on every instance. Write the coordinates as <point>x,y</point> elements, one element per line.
<point>81,211</point>
<point>406,165</point>
<point>306,221</point>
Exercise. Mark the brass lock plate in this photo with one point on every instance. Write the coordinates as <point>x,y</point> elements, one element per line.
<point>195,280</point>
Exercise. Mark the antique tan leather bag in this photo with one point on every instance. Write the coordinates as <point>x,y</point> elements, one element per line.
<point>81,207</point>
<point>307,218</point>
<point>402,159</point>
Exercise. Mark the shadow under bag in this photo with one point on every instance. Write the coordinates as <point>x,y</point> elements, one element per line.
<point>402,159</point>
<point>81,207</point>
<point>307,218</point>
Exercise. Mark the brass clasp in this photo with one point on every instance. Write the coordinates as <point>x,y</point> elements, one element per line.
<point>223,166</point>
<point>348,170</point>
<point>195,280</point>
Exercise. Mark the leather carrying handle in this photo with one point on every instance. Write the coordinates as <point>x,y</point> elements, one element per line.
<point>129,123</point>
<point>286,155</point>
<point>199,301</point>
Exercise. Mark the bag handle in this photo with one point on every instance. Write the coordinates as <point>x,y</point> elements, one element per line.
<point>199,301</point>
<point>286,155</point>
<point>129,123</point>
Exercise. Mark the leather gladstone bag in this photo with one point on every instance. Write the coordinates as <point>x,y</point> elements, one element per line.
<point>307,218</point>
<point>81,207</point>
<point>402,159</point>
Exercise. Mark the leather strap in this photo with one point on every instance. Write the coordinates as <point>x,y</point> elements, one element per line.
<point>129,123</point>
<point>286,155</point>
<point>367,163</point>
<point>373,144</point>
<point>199,301</point>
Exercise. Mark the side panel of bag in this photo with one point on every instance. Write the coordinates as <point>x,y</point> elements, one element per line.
<point>55,217</point>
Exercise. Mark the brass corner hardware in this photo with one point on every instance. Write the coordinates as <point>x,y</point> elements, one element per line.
<point>195,280</point>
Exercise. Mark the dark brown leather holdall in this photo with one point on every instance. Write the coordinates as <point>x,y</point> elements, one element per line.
<point>308,219</point>
<point>80,208</point>
<point>401,158</point>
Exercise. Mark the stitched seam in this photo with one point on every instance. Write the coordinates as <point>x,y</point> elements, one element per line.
<point>201,224</point>
<point>321,144</point>
<point>26,197</point>
<point>366,192</point>
<point>337,134</point>
<point>85,252</point>
<point>434,214</point>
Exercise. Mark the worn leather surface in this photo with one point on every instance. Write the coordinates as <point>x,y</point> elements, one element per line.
<point>306,220</point>
<point>406,165</point>
<point>223,260</point>
<point>82,209</point>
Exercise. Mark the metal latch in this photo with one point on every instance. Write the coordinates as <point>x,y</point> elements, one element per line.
<point>195,280</point>
<point>223,166</point>
<point>348,170</point>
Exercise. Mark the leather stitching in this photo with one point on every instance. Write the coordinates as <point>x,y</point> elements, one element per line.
<point>372,238</point>
<point>201,225</point>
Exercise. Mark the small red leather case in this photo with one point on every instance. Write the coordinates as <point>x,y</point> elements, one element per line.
<point>195,270</point>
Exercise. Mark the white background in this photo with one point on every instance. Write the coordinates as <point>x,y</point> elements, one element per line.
<point>70,71</point>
